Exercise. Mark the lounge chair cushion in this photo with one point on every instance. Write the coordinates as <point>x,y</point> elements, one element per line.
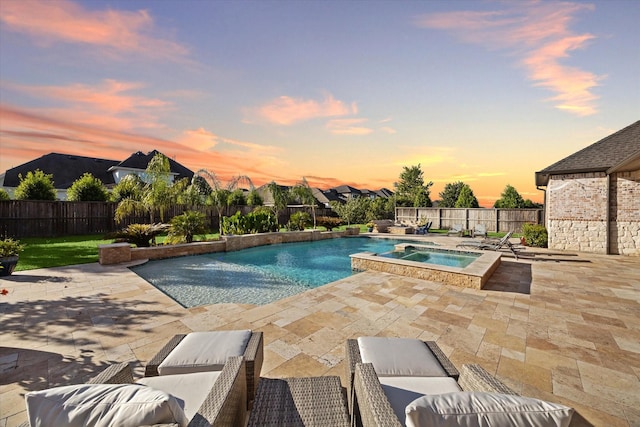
<point>468,409</point>
<point>398,357</point>
<point>204,351</point>
<point>103,405</point>
<point>401,391</point>
<point>189,389</point>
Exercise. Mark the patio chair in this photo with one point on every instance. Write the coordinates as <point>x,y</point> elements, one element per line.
<point>479,230</point>
<point>492,245</point>
<point>456,230</point>
<point>196,399</point>
<point>380,399</point>
<point>424,229</point>
<point>207,351</point>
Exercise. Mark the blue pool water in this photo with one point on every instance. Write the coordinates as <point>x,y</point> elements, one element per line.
<point>448,257</point>
<point>258,275</point>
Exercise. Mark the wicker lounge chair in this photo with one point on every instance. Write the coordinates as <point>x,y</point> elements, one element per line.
<point>253,356</point>
<point>223,405</point>
<point>492,245</point>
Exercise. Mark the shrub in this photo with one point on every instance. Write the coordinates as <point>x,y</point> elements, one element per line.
<point>35,186</point>
<point>140,234</point>
<point>184,227</point>
<point>10,247</point>
<point>87,188</point>
<point>329,222</point>
<point>535,235</point>
<point>298,221</point>
<point>258,221</point>
<point>4,195</point>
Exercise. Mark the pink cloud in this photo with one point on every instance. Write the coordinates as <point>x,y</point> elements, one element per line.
<point>539,34</point>
<point>348,127</point>
<point>118,32</point>
<point>286,110</point>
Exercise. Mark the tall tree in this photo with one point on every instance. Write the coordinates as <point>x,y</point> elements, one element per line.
<point>449,195</point>
<point>509,199</point>
<point>467,199</point>
<point>219,198</point>
<point>280,198</point>
<point>411,190</point>
<point>304,194</point>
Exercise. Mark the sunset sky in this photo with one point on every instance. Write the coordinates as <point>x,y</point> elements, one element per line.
<point>340,92</point>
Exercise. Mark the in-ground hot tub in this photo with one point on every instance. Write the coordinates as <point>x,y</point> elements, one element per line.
<point>467,269</point>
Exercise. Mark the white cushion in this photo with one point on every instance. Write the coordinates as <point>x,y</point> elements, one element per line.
<point>190,390</point>
<point>204,351</point>
<point>400,357</point>
<point>401,391</point>
<point>102,405</point>
<point>466,409</point>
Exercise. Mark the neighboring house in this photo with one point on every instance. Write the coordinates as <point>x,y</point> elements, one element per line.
<point>67,168</point>
<point>592,198</point>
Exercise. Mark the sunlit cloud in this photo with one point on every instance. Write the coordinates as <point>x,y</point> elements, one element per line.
<point>389,130</point>
<point>287,111</point>
<point>115,32</point>
<point>539,34</point>
<point>348,127</point>
<point>108,104</point>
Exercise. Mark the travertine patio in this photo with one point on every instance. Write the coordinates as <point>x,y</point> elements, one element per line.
<point>563,327</point>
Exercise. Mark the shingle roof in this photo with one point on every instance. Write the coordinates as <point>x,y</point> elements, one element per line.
<point>65,168</point>
<point>139,160</point>
<point>610,152</point>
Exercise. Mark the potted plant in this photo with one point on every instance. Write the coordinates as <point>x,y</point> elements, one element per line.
<point>9,252</point>
<point>370,226</point>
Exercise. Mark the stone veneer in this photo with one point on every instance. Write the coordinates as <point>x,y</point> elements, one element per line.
<point>474,276</point>
<point>579,206</point>
<point>116,253</point>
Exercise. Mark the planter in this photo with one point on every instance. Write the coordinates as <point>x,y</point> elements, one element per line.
<point>8,265</point>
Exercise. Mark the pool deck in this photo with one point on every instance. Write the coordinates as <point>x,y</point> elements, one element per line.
<point>563,327</point>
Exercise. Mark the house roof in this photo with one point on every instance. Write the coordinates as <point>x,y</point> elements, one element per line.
<point>139,160</point>
<point>610,154</point>
<point>65,168</point>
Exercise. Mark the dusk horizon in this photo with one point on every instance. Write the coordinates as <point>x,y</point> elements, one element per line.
<point>340,93</point>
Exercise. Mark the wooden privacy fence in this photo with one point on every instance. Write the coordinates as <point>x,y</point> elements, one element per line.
<point>30,218</point>
<point>499,220</point>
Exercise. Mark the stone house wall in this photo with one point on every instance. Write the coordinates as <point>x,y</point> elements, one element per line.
<point>579,205</point>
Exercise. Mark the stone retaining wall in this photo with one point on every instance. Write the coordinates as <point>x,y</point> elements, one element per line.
<point>116,253</point>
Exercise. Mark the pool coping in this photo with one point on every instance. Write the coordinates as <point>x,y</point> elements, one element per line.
<point>475,275</point>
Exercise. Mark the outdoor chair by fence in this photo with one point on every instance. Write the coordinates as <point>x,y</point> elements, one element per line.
<point>114,398</point>
<point>208,351</point>
<point>424,229</point>
<point>396,389</point>
<point>479,230</point>
<point>455,230</point>
<point>492,245</point>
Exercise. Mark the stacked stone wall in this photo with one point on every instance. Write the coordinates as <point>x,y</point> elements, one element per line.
<point>625,213</point>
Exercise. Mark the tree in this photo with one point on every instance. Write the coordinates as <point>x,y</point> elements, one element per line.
<point>237,198</point>
<point>449,195</point>
<point>280,198</point>
<point>411,189</point>
<point>4,195</point>
<point>219,198</point>
<point>509,199</point>
<point>381,208</point>
<point>129,187</point>
<point>353,211</point>
<point>303,193</point>
<point>35,186</point>
<point>466,199</point>
<point>254,199</point>
<point>87,188</point>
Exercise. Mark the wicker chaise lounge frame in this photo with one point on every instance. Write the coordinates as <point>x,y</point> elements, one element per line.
<point>369,406</point>
<point>224,405</point>
<point>253,356</point>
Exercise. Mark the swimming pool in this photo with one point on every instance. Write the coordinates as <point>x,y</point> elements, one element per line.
<point>447,257</point>
<point>258,275</point>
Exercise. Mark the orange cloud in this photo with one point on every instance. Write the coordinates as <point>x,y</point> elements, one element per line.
<point>286,110</point>
<point>538,33</point>
<point>116,32</point>
<point>348,127</point>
